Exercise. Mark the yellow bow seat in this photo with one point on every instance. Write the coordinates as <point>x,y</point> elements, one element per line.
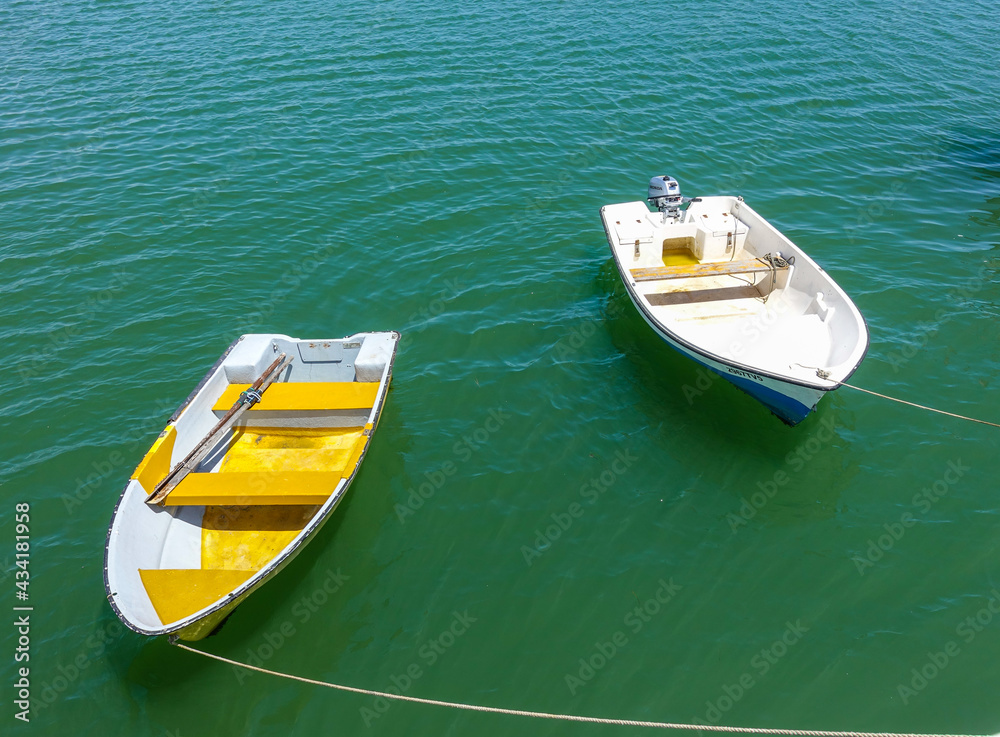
<point>178,593</point>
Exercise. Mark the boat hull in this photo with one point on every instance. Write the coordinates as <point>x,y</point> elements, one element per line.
<point>203,627</point>
<point>791,403</point>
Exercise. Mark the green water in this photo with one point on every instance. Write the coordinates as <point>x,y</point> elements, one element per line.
<point>173,175</point>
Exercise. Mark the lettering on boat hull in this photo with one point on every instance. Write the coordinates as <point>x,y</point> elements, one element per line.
<point>745,374</point>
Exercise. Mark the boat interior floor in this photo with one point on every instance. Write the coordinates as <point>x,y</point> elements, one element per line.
<point>247,536</point>
<point>256,501</point>
<point>262,449</point>
<point>733,321</point>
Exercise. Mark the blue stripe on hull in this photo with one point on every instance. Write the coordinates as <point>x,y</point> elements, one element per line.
<point>788,409</point>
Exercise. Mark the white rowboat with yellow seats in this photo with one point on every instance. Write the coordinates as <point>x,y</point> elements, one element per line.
<point>261,492</point>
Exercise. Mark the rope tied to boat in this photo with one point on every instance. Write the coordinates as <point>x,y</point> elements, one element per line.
<point>823,374</point>
<point>563,717</point>
<point>775,261</point>
<point>914,404</point>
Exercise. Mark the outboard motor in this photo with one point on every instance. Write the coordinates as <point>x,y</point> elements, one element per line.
<point>665,194</point>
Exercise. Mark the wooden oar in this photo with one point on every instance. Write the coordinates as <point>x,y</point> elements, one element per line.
<point>247,399</point>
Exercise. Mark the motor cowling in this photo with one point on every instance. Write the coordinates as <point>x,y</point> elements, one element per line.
<point>665,193</point>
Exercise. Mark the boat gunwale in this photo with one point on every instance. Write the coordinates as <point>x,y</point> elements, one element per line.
<point>637,301</point>
<point>275,565</point>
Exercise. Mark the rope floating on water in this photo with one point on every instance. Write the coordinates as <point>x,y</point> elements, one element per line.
<point>563,717</point>
<point>920,406</point>
<point>604,720</point>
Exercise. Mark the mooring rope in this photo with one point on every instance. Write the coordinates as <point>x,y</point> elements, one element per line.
<point>920,406</point>
<point>564,717</point>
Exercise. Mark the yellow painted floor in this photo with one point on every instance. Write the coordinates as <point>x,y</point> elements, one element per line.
<point>236,541</point>
<point>291,449</point>
<point>679,258</point>
<point>246,538</point>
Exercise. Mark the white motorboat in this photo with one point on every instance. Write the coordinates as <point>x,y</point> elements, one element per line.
<point>721,285</point>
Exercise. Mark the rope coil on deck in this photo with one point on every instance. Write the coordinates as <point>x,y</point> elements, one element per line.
<point>563,717</point>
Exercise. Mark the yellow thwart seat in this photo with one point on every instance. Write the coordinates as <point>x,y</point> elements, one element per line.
<point>261,487</point>
<point>178,593</point>
<point>302,396</point>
